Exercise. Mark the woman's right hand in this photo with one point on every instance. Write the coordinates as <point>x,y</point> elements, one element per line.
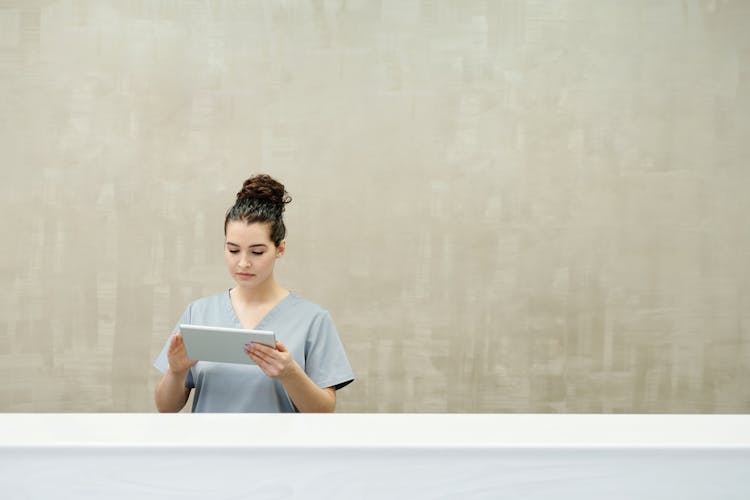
<point>177,355</point>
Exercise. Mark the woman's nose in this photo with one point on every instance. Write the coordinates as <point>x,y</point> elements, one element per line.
<point>245,261</point>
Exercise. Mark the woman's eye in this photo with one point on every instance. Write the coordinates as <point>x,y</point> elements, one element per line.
<point>234,251</point>
<point>258,253</point>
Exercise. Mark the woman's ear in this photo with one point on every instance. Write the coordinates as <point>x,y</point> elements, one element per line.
<point>280,249</point>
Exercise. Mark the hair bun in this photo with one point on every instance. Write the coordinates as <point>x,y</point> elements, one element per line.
<point>264,188</point>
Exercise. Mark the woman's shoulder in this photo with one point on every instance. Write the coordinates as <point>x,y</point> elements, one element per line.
<point>303,303</point>
<point>304,315</point>
<point>305,306</point>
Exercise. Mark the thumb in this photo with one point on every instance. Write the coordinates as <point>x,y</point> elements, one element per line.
<point>176,339</point>
<point>280,347</point>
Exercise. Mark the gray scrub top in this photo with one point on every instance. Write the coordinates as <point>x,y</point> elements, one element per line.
<point>305,329</point>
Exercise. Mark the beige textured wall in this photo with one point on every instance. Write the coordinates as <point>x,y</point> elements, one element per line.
<point>508,206</point>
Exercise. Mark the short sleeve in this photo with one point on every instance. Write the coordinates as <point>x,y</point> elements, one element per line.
<point>325,359</point>
<point>161,362</point>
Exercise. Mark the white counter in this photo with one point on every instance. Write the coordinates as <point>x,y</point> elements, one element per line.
<point>354,456</point>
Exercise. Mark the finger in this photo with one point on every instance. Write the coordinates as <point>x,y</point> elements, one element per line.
<point>280,347</point>
<point>262,348</point>
<point>254,353</point>
<point>263,364</point>
<point>267,358</point>
<point>261,355</point>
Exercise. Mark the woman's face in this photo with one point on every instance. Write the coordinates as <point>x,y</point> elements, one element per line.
<point>250,253</point>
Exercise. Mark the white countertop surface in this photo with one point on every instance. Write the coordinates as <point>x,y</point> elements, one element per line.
<point>375,430</point>
<point>375,456</point>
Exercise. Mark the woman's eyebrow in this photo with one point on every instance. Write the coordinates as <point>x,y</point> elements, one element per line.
<point>249,246</point>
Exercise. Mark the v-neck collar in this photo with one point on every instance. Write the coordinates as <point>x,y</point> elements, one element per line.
<point>269,315</point>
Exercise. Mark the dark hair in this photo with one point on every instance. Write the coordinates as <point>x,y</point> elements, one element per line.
<point>261,199</point>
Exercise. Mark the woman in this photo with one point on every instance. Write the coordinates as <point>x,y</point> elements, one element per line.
<point>308,364</point>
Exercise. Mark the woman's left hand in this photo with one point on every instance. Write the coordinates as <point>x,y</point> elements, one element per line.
<point>276,363</point>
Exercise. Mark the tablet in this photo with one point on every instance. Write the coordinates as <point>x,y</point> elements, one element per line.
<point>222,345</point>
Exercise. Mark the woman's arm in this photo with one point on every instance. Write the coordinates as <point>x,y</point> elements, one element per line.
<point>278,363</point>
<point>171,393</point>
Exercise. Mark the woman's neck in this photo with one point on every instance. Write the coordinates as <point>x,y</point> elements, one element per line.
<point>267,292</point>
